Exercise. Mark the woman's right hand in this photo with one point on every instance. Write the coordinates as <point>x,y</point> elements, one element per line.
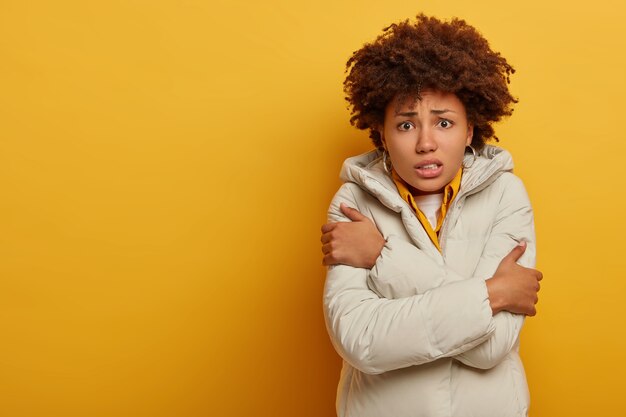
<point>357,243</point>
<point>513,287</point>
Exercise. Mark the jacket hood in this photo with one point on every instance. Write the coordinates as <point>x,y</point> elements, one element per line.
<point>367,171</point>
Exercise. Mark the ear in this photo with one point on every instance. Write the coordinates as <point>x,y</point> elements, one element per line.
<point>470,134</point>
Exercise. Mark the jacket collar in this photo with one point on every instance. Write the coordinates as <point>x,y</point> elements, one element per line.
<point>367,171</point>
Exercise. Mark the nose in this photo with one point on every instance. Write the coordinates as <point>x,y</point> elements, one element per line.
<point>425,141</point>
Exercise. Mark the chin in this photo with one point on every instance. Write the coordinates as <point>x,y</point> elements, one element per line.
<point>429,189</point>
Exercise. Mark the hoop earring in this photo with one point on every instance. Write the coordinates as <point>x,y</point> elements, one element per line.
<point>386,162</point>
<point>473,154</point>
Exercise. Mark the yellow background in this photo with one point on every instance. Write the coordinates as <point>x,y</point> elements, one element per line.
<point>165,167</point>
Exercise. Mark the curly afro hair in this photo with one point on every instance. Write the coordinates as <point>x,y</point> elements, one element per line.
<point>429,53</point>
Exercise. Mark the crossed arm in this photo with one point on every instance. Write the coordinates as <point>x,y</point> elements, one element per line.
<point>510,293</point>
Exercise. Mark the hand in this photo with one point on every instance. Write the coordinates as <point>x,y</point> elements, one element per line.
<point>514,288</point>
<point>357,243</point>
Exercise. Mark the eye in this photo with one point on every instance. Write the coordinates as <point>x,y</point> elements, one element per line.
<point>445,123</point>
<point>405,126</point>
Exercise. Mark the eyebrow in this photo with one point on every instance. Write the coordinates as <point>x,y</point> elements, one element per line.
<point>414,113</point>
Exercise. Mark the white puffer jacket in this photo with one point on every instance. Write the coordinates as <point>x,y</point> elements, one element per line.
<point>416,332</point>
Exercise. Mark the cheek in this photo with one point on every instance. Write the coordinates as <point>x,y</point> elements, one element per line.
<point>395,156</point>
<point>456,152</point>
<point>394,146</point>
<point>399,153</point>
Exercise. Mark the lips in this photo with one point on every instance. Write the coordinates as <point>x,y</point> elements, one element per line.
<point>430,168</point>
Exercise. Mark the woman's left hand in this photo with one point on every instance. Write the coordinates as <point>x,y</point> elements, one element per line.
<point>357,243</point>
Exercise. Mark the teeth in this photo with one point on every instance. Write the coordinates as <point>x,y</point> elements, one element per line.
<point>431,166</point>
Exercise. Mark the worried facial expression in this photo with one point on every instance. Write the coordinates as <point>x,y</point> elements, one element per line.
<point>426,139</point>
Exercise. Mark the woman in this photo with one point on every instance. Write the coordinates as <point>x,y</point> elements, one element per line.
<point>430,241</point>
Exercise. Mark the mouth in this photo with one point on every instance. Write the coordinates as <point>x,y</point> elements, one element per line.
<point>429,166</point>
<point>429,169</point>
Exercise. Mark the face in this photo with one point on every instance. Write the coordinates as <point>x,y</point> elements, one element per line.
<point>426,139</point>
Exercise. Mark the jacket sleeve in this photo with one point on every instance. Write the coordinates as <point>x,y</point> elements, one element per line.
<point>400,269</point>
<point>376,335</point>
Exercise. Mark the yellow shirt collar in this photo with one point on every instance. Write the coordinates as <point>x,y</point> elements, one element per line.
<point>449,193</point>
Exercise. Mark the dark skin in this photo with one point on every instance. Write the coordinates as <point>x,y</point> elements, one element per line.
<point>358,243</point>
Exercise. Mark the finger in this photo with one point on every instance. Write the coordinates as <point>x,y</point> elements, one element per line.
<point>328,227</point>
<point>327,248</point>
<point>352,213</point>
<point>326,237</point>
<point>539,276</point>
<point>516,252</point>
<point>329,260</point>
